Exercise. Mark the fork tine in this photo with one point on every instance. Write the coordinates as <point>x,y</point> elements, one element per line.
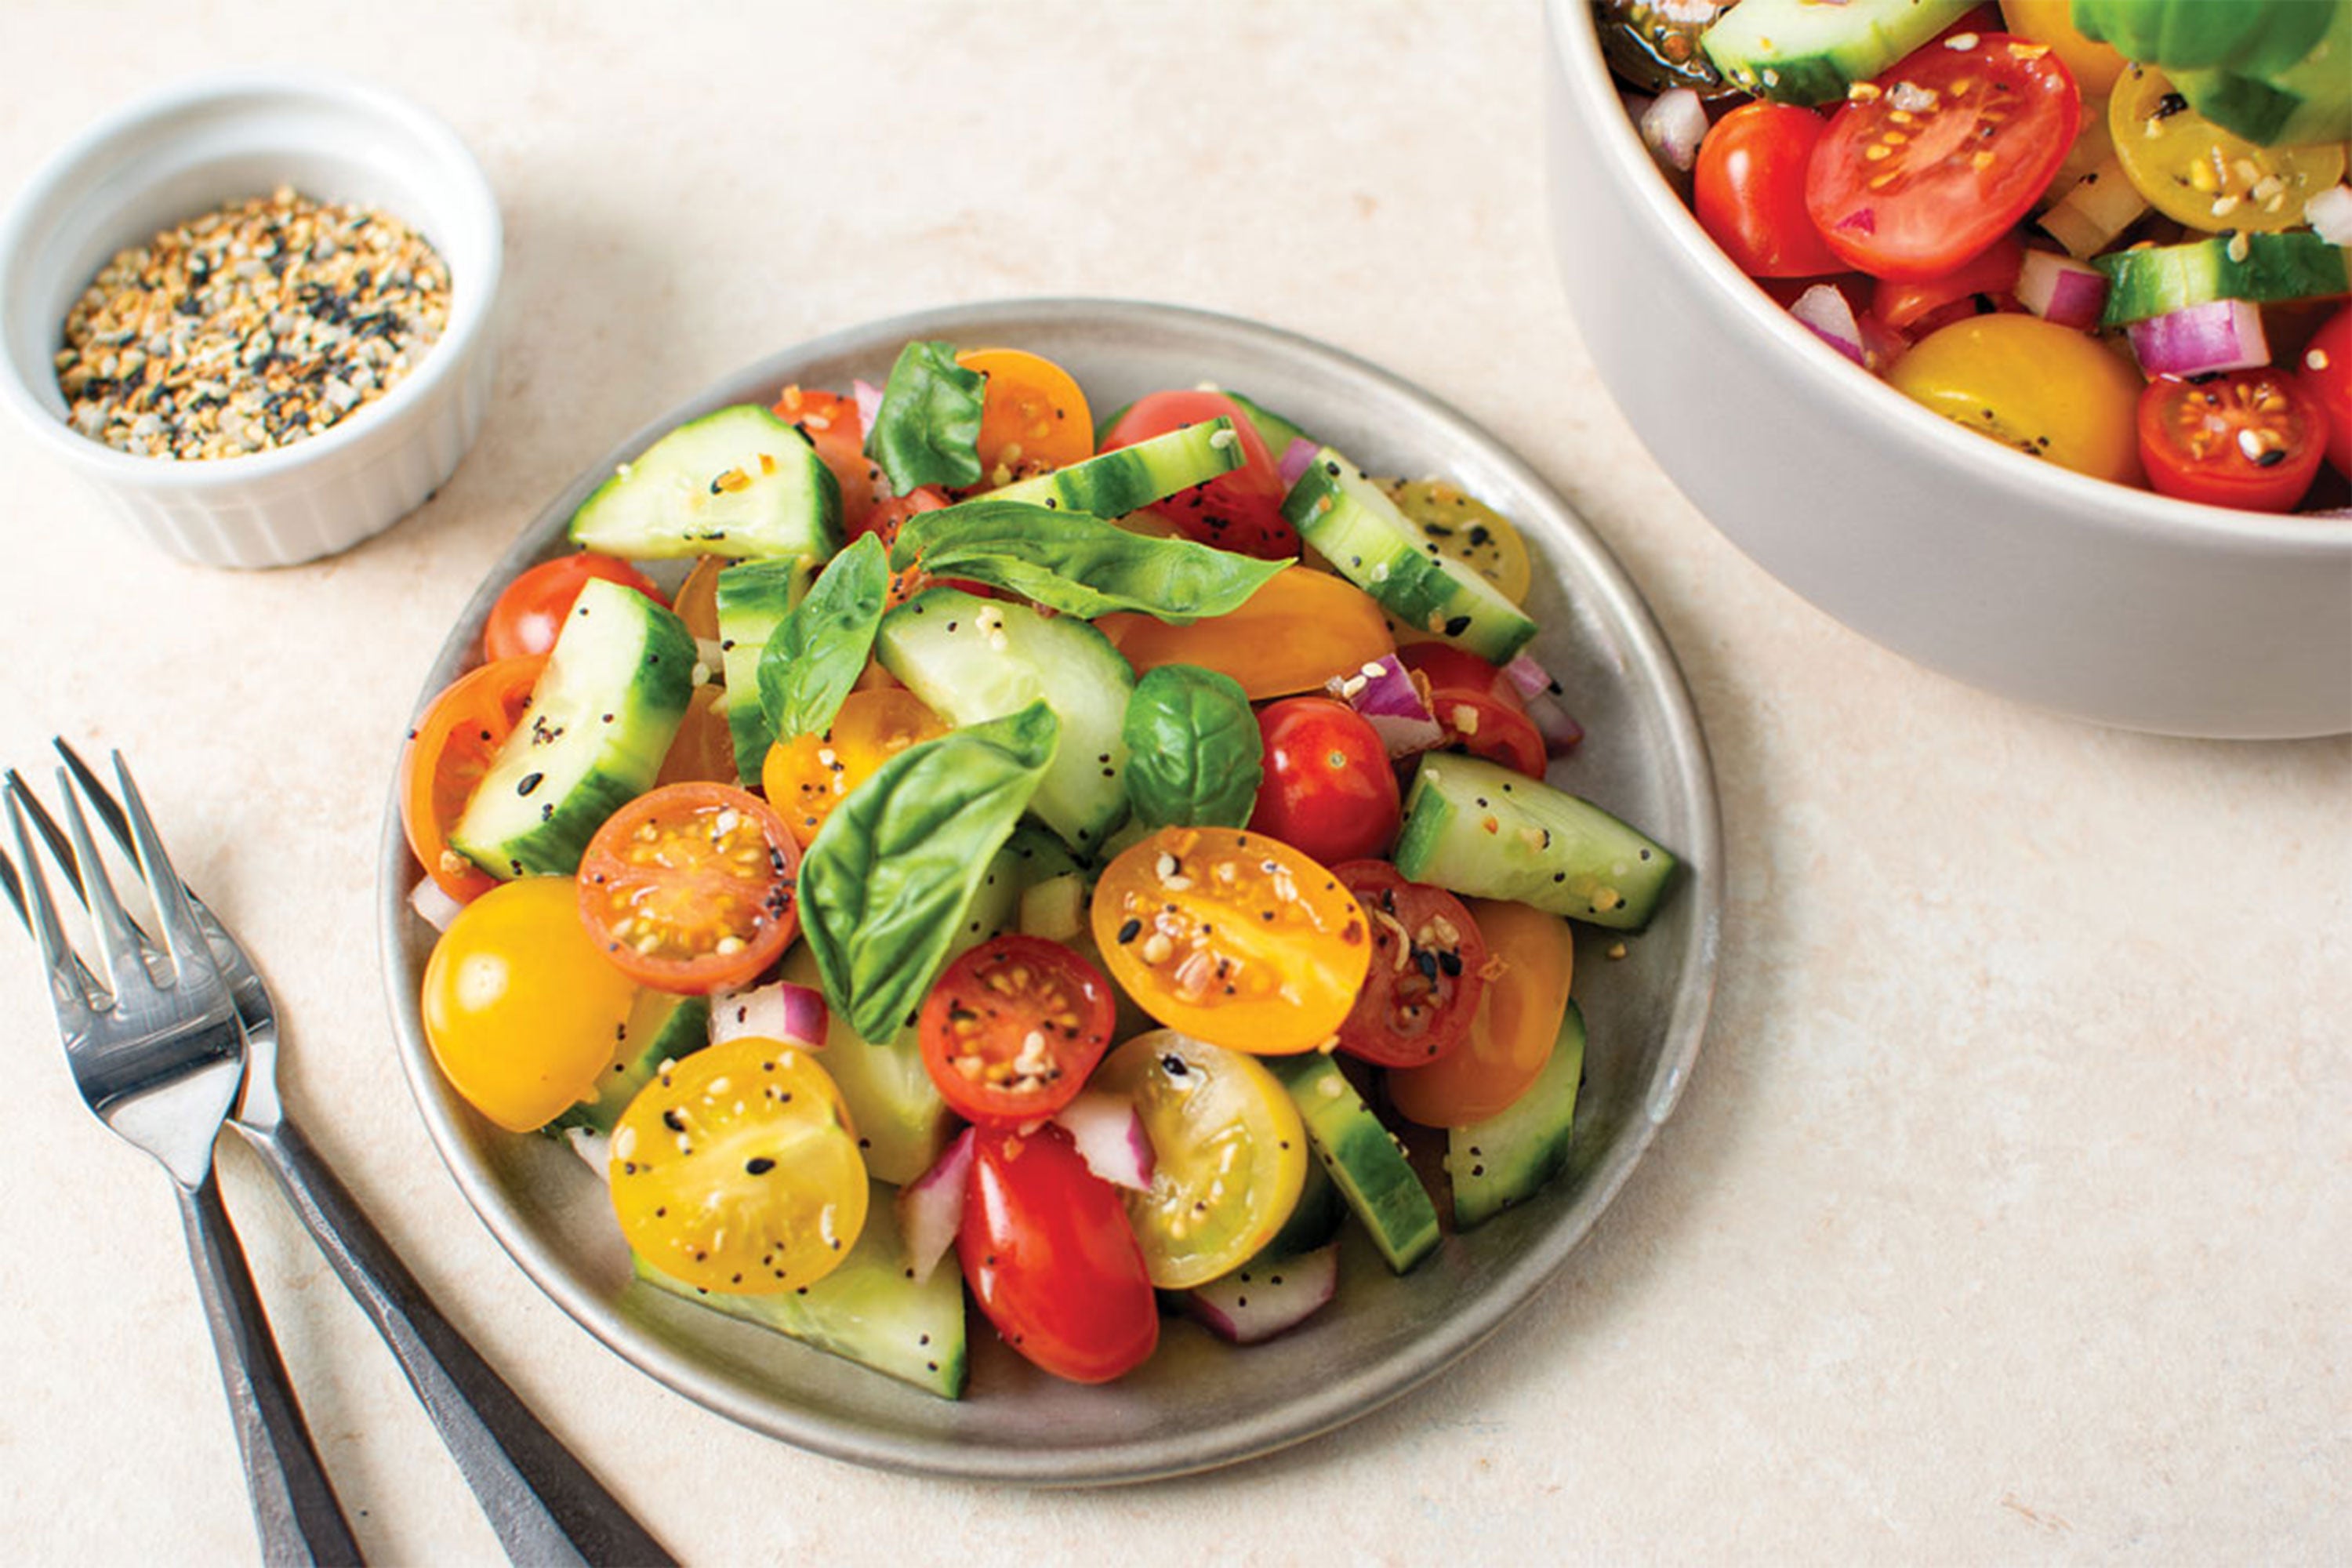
<point>60,848</point>
<point>101,800</point>
<point>48,933</point>
<point>14,889</point>
<point>173,912</point>
<point>118,948</point>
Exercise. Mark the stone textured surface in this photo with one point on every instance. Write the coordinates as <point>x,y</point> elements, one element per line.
<point>2006,1217</point>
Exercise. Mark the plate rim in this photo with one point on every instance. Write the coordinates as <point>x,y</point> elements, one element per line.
<point>1315,1411</point>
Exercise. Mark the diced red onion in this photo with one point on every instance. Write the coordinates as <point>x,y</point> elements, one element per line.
<point>1824,308</point>
<point>1541,694</point>
<point>1296,459</point>
<point>930,1207</point>
<point>1673,126</point>
<point>2220,335</point>
<point>434,907</point>
<point>870,404</point>
<point>784,1011</point>
<point>2329,214</point>
<point>1882,345</point>
<point>2061,289</point>
<point>1110,1138</point>
<point>1395,703</point>
<point>1266,1296</point>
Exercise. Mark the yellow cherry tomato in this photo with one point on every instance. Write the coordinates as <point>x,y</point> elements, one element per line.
<point>737,1171</point>
<point>806,776</point>
<point>2094,66</point>
<point>1295,634</point>
<point>521,1007</point>
<point>1229,1155</point>
<point>1032,416</point>
<point>1532,955</point>
<point>2195,173</point>
<point>1459,525</point>
<point>2047,390</point>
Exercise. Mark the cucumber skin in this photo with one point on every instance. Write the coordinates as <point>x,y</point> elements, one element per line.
<point>1363,1157</point>
<point>1437,844</point>
<point>755,598</point>
<point>599,524</point>
<point>2142,284</point>
<point>1128,479</point>
<point>1507,1157</point>
<point>686,1029</point>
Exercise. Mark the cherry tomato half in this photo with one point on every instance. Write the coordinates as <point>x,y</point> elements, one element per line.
<point>703,750</point>
<point>1915,306</point>
<point>882,521</point>
<point>1532,958</point>
<point>2250,439</point>
<point>688,887</point>
<point>1428,969</point>
<point>1033,417</point>
<point>1944,159</point>
<point>1048,1250</point>
<point>519,1007</point>
<point>1012,1028</point>
<point>1297,632</point>
<point>448,752</point>
<point>1482,714</point>
<point>1241,510</point>
<point>833,427</point>
<point>805,776</point>
<point>2326,371</point>
<point>1329,791</point>
<point>1748,191</point>
<point>1234,938</point>
<point>530,612</point>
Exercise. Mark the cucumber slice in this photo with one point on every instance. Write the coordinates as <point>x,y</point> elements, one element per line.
<point>970,659</point>
<point>1132,478</point>
<point>866,1310</point>
<point>740,482</point>
<point>1276,432</point>
<point>1316,1219</point>
<point>1473,827</point>
<point>1496,1162</point>
<point>1801,51</point>
<point>601,718</point>
<point>1359,530</point>
<point>660,1028</point>
<point>753,598</point>
<point>1366,1161</point>
<point>2266,269</point>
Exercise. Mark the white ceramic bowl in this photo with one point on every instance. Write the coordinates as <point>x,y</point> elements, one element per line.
<point>2090,599</point>
<point>192,148</point>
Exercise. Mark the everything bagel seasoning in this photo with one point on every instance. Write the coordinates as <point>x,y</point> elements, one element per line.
<point>249,327</point>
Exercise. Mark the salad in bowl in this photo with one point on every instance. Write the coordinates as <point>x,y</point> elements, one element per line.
<point>927,846</point>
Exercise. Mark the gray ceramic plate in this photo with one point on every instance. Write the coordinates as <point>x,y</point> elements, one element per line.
<point>1197,1404</point>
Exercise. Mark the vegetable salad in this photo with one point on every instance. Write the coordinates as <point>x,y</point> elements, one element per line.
<point>2107,233</point>
<point>1022,861</point>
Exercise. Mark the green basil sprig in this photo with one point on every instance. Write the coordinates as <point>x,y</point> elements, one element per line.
<point>1194,752</point>
<point>886,886</point>
<point>926,431</point>
<point>1078,564</point>
<point>816,653</point>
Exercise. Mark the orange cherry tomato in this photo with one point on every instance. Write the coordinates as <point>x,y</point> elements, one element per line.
<point>698,597</point>
<point>1012,1028</point>
<point>703,751</point>
<point>689,888</point>
<point>530,612</point>
<point>1302,629</point>
<point>1532,957</point>
<point>806,776</point>
<point>1033,417</point>
<point>833,428</point>
<point>448,752</point>
<point>1233,937</point>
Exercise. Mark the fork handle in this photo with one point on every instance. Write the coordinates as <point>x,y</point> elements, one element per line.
<point>293,1506</point>
<point>541,1501</point>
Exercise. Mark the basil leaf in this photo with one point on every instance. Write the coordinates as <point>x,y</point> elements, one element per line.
<point>1077,563</point>
<point>926,431</point>
<point>816,653</point>
<point>886,886</point>
<point>1195,755</point>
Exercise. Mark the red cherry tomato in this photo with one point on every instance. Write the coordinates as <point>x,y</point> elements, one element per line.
<point>446,755</point>
<point>1427,973</point>
<point>1944,159</point>
<point>1489,726</point>
<point>1329,791</point>
<point>1241,510</point>
<point>2250,439</point>
<point>2326,371</point>
<point>1051,1257</point>
<point>833,427</point>
<point>1915,307</point>
<point>688,887</point>
<point>530,612</point>
<point>1012,1028</point>
<point>1448,668</point>
<point>1748,191</point>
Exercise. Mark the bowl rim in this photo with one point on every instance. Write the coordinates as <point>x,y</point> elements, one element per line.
<point>1317,1410</point>
<point>434,146</point>
<point>1924,436</point>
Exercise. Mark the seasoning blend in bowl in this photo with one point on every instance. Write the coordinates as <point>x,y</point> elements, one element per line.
<point>254,313</point>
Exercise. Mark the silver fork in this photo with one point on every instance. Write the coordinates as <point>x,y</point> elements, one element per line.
<point>157,1052</point>
<point>543,1504</point>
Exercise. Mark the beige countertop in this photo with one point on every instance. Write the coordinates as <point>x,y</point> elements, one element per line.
<point>2006,1217</point>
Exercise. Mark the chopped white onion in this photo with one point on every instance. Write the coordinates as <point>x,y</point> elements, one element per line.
<point>1824,308</point>
<point>1389,698</point>
<point>2329,214</point>
<point>595,1149</point>
<point>2220,335</point>
<point>1673,126</point>
<point>930,1207</point>
<point>870,404</point>
<point>2061,289</point>
<point>783,1011</point>
<point>434,907</point>
<point>1110,1138</point>
<point>1296,458</point>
